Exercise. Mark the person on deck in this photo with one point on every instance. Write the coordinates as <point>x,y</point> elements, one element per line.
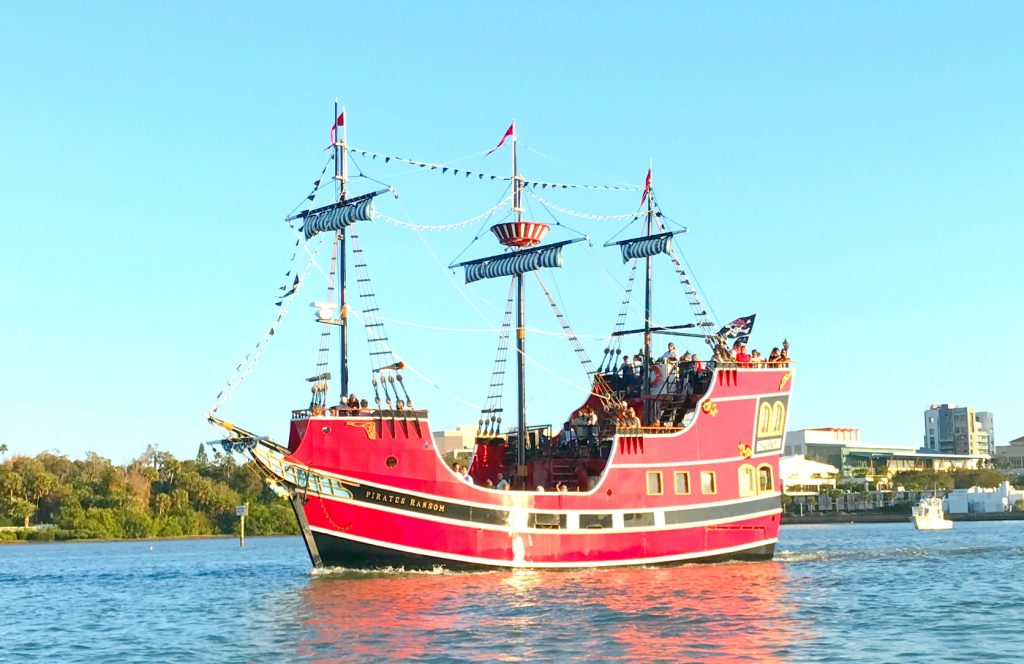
<point>627,373</point>
<point>466,476</point>
<point>773,357</point>
<point>742,356</point>
<point>670,355</point>
<point>567,439</point>
<point>502,483</point>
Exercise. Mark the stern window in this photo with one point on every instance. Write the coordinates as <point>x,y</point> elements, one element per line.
<point>707,482</point>
<point>748,480</point>
<point>682,480</point>
<point>654,483</point>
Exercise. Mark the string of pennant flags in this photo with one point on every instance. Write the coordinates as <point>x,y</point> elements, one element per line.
<point>582,215</point>
<point>449,170</point>
<point>448,227</point>
<point>245,366</point>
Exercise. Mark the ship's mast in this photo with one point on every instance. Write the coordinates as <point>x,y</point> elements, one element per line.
<point>341,180</point>
<point>517,207</point>
<point>645,373</point>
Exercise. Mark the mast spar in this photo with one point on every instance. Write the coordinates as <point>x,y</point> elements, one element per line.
<point>517,206</point>
<point>341,179</point>
<point>645,374</point>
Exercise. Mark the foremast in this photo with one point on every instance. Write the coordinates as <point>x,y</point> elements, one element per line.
<point>341,182</point>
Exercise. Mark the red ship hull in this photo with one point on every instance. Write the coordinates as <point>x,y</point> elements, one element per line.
<point>373,491</point>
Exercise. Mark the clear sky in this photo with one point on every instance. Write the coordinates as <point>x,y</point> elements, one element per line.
<point>850,171</point>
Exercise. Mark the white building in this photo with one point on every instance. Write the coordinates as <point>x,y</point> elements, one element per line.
<point>804,477</point>
<point>458,439</point>
<point>797,441</point>
<point>976,500</point>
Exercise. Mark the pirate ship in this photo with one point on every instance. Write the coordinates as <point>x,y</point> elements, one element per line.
<point>674,460</point>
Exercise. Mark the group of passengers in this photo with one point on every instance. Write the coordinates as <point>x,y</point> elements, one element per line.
<point>738,356</point>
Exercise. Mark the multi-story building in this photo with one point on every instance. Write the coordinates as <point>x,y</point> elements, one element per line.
<point>949,429</point>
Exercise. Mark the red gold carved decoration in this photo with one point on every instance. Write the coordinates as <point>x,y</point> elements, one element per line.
<point>745,450</point>
<point>710,407</point>
<point>785,379</point>
<point>369,427</point>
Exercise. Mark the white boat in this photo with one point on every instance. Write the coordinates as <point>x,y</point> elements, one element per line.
<point>928,515</point>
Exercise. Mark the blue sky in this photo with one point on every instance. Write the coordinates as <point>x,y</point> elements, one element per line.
<point>851,172</point>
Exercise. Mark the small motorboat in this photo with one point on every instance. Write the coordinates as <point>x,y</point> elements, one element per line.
<point>928,515</point>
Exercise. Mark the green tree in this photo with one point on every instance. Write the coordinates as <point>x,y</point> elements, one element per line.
<point>202,458</point>
<point>19,508</point>
<point>923,480</point>
<point>985,478</point>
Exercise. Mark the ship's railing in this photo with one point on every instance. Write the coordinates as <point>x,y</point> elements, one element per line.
<point>390,413</point>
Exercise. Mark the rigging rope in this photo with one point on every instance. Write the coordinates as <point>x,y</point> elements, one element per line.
<point>582,215</point>
<point>382,357</point>
<point>245,367</point>
<point>490,414</point>
<point>444,169</point>
<point>446,227</point>
<point>614,348</point>
<point>319,387</point>
<point>567,331</point>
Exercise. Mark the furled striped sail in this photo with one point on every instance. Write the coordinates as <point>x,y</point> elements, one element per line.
<point>337,216</point>
<point>644,247</point>
<point>515,263</point>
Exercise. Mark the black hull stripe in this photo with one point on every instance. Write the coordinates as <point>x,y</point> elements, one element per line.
<point>498,517</point>
<point>340,552</point>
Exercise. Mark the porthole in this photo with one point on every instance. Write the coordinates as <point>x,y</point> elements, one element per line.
<point>325,430</point>
<point>391,462</point>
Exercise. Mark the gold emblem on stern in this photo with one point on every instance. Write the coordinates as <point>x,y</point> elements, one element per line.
<point>785,379</point>
<point>745,450</point>
<point>369,427</point>
<point>710,407</point>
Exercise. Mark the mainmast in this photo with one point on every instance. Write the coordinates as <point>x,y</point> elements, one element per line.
<point>645,373</point>
<point>341,180</point>
<point>517,207</point>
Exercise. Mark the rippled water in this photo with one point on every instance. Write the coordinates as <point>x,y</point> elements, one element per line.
<point>866,592</point>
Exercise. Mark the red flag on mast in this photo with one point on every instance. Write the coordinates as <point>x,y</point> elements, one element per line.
<point>340,122</point>
<point>647,187</point>
<point>511,131</point>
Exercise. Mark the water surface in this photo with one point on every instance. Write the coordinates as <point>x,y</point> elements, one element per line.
<point>846,593</point>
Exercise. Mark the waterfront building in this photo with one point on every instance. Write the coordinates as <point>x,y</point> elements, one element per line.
<point>805,477</point>
<point>950,429</point>
<point>1010,457</point>
<point>842,447</point>
<point>461,439</point>
<point>977,501</point>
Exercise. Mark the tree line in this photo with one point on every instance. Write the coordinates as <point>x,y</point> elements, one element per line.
<point>156,495</point>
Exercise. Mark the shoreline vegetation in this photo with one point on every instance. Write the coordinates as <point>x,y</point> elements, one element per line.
<point>156,496</point>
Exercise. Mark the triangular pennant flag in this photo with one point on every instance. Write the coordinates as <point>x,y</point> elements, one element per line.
<point>468,174</point>
<point>455,172</point>
<point>387,159</point>
<point>511,131</point>
<point>444,170</point>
